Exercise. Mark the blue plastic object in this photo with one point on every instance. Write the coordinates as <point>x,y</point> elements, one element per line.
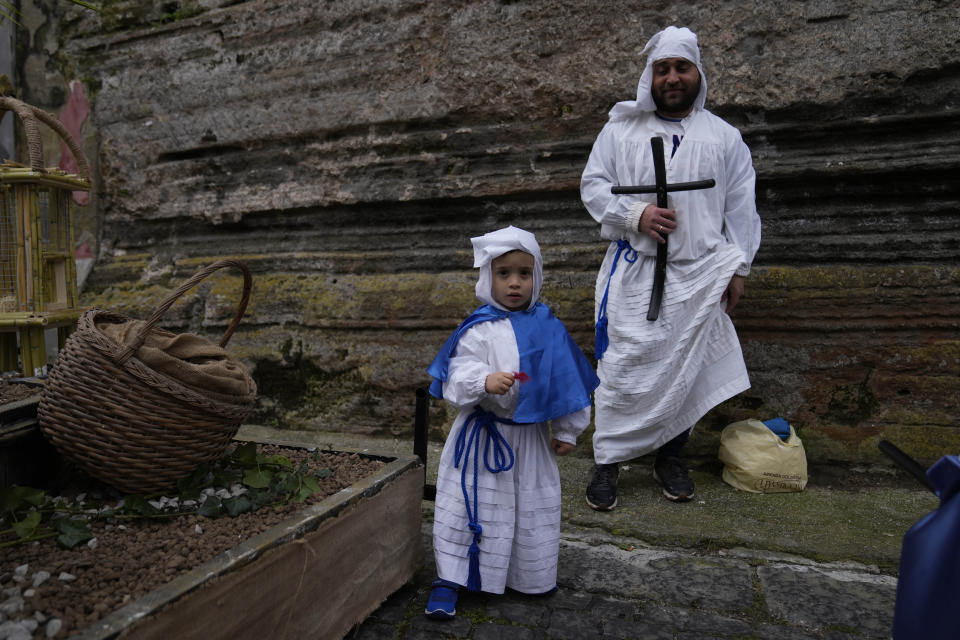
<point>928,590</point>
<point>779,426</point>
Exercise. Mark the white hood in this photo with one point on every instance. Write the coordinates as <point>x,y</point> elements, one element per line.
<point>493,245</point>
<point>672,42</point>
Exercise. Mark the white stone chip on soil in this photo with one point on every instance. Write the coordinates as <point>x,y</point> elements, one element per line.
<point>20,573</point>
<point>53,627</point>
<point>66,577</point>
<point>11,606</point>
<point>92,543</point>
<point>40,577</point>
<point>197,529</point>
<point>11,630</point>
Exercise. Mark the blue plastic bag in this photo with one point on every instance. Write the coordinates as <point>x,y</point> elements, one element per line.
<point>928,589</point>
<point>779,426</point>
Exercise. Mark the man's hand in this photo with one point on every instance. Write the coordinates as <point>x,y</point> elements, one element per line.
<point>658,223</point>
<point>498,383</point>
<point>733,292</point>
<point>560,448</point>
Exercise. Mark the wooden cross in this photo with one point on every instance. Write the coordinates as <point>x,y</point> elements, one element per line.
<point>661,189</point>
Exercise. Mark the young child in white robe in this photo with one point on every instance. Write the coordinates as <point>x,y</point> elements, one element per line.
<point>513,372</point>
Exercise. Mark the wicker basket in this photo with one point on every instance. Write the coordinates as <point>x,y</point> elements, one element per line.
<point>135,428</point>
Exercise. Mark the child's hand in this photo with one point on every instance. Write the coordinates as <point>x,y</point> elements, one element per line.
<point>498,383</point>
<point>560,448</point>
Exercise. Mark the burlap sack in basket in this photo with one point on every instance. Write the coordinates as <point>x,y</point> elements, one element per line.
<point>190,359</point>
<point>139,407</point>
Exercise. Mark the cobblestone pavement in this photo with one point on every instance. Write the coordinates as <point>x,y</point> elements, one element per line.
<point>730,565</point>
<point>613,587</point>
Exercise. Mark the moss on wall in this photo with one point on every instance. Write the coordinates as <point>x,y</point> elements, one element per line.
<point>346,351</point>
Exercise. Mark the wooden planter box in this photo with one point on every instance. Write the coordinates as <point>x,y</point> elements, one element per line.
<point>315,575</point>
<point>26,458</point>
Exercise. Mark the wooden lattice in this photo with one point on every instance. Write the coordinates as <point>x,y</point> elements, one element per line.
<point>38,281</point>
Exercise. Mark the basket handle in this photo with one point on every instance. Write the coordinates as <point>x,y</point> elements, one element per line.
<point>124,353</point>
<point>29,115</point>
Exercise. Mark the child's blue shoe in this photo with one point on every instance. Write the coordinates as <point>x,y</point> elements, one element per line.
<point>442,604</point>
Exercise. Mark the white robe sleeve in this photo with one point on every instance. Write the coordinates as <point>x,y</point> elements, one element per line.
<point>468,371</point>
<point>567,428</point>
<point>741,222</point>
<point>598,176</point>
<point>483,349</point>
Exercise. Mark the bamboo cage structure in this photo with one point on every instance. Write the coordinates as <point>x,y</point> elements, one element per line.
<point>38,276</point>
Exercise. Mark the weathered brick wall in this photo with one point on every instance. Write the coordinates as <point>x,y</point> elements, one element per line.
<point>348,150</point>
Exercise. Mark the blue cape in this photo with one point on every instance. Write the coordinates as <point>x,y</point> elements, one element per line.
<point>561,378</point>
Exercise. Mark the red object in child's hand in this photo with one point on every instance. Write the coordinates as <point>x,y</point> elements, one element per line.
<point>521,376</point>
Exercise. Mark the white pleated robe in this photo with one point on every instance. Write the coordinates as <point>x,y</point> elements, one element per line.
<point>519,509</point>
<point>657,378</point>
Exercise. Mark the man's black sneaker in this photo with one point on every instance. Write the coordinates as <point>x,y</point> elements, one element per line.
<point>602,490</point>
<point>672,475</point>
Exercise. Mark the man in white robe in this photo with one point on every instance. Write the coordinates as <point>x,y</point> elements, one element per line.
<point>657,378</point>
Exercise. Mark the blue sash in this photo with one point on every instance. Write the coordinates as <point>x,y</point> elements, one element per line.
<point>478,424</point>
<point>601,341</point>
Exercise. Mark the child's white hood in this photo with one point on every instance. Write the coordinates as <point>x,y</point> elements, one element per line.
<point>493,245</point>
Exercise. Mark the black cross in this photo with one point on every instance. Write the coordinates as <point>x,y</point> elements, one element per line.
<point>661,189</point>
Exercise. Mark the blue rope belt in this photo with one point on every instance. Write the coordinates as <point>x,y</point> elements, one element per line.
<point>601,342</point>
<point>480,422</point>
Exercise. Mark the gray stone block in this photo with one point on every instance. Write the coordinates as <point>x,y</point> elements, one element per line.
<point>838,600</point>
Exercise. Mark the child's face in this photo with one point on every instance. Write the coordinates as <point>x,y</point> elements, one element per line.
<point>513,280</point>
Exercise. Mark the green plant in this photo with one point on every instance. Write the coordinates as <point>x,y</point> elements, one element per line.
<point>268,480</point>
<point>258,480</point>
<point>33,516</point>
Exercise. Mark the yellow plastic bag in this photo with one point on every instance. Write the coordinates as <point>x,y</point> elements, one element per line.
<point>757,460</point>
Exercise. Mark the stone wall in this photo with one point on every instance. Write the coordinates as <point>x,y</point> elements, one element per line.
<point>348,150</point>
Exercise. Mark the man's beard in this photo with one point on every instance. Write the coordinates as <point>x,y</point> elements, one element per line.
<point>689,98</point>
